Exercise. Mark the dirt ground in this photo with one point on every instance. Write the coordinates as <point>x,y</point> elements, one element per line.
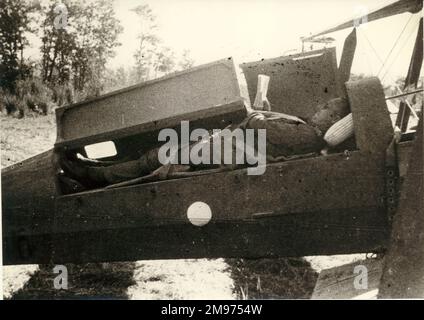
<point>161,279</point>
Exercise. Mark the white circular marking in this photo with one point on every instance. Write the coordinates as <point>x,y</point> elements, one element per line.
<point>199,213</point>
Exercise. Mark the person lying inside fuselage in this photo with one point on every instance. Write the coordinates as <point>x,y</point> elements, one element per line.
<point>286,136</point>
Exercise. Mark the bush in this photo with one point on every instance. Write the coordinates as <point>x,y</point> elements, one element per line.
<point>32,94</point>
<point>11,104</point>
<point>35,95</point>
<point>63,94</point>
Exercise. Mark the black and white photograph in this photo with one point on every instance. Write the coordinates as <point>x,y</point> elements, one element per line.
<point>225,152</point>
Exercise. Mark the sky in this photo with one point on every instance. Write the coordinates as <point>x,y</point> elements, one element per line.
<point>249,30</point>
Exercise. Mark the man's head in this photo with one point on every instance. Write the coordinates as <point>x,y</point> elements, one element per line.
<point>329,113</point>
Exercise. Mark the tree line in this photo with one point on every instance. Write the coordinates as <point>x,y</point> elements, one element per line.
<point>77,38</point>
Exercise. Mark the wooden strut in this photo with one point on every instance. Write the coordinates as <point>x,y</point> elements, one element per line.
<point>412,78</point>
<point>403,273</point>
<point>404,94</point>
